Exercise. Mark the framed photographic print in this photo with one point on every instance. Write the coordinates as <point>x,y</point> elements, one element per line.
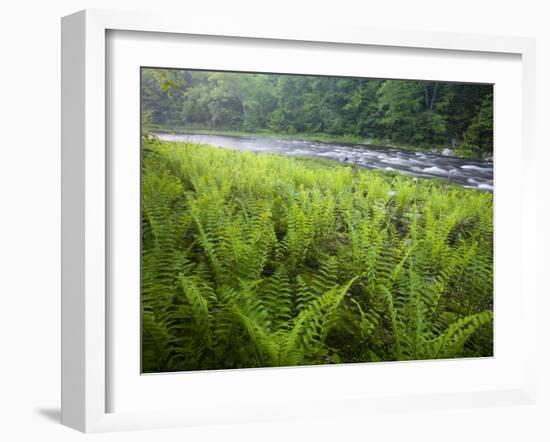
<point>261,223</point>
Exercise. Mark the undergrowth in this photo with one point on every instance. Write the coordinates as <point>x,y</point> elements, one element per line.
<point>263,260</point>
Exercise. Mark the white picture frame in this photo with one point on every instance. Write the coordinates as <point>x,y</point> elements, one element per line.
<point>87,358</point>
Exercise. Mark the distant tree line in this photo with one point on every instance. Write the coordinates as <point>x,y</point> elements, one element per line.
<point>423,114</point>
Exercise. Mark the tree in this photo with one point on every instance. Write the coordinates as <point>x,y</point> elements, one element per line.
<point>419,114</point>
<point>400,102</point>
<point>478,139</point>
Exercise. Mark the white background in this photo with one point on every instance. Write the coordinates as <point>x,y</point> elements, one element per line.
<point>30,217</point>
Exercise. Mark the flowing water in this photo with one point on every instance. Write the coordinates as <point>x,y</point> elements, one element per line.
<point>469,173</point>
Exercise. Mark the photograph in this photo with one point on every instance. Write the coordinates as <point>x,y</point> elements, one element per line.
<point>303,220</point>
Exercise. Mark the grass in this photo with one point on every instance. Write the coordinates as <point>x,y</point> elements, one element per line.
<point>256,260</point>
<point>318,137</point>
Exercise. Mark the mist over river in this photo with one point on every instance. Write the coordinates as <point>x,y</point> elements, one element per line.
<point>469,173</point>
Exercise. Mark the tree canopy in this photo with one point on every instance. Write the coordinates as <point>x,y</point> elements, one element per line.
<point>422,114</point>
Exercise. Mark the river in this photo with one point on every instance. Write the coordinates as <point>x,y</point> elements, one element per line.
<point>469,173</point>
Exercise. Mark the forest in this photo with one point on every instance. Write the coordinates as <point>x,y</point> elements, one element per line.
<point>420,115</point>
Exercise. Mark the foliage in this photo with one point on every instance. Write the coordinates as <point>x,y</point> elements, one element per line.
<point>478,139</point>
<point>263,260</point>
<point>420,114</point>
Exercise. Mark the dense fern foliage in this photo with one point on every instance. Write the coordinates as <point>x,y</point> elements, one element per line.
<point>264,260</point>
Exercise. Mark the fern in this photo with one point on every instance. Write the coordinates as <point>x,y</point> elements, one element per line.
<point>310,327</point>
<point>252,261</point>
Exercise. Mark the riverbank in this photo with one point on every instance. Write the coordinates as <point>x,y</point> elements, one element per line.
<point>468,173</point>
<point>381,143</point>
<point>322,138</point>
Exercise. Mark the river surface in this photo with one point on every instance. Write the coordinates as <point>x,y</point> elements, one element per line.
<point>469,173</point>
